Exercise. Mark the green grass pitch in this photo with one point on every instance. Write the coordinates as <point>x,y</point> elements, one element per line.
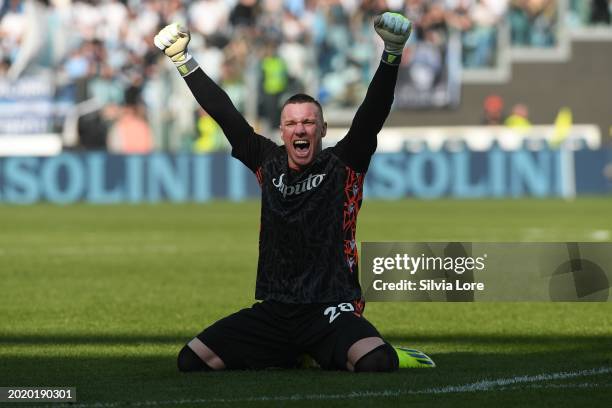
<point>101,298</point>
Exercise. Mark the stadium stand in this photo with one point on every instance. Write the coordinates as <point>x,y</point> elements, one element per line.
<point>100,65</point>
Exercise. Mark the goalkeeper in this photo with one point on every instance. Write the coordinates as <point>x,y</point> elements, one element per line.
<point>307,278</point>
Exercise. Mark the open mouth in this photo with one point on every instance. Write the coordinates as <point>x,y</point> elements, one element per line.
<point>301,147</point>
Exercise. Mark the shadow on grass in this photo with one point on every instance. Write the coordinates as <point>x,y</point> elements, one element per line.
<point>129,379</point>
<point>117,373</point>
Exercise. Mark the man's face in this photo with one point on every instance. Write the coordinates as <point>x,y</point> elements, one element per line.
<point>302,128</point>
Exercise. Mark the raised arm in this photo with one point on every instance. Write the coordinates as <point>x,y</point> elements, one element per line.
<point>218,105</point>
<point>358,146</point>
<point>247,146</point>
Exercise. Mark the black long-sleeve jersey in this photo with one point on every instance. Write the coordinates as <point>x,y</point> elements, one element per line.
<point>307,247</point>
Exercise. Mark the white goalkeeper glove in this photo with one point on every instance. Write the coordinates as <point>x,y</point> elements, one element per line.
<point>173,40</point>
<point>394,29</point>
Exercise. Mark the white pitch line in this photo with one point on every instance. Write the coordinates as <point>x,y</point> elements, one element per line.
<point>484,385</point>
<point>548,386</point>
<point>600,235</point>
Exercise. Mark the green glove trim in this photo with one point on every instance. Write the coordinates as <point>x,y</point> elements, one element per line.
<point>391,59</point>
<point>188,67</point>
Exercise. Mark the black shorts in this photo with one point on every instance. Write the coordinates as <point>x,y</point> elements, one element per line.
<point>274,334</point>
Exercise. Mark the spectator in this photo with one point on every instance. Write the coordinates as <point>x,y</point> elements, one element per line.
<point>434,29</point>
<point>579,13</point>
<point>479,42</point>
<point>114,16</point>
<point>600,11</point>
<point>543,17</point>
<point>493,110</point>
<point>519,118</point>
<point>244,14</point>
<point>210,18</point>
<point>105,87</point>
<point>5,64</point>
<point>86,19</point>
<point>563,126</point>
<point>210,136</point>
<point>533,22</point>
<point>274,82</point>
<point>131,133</point>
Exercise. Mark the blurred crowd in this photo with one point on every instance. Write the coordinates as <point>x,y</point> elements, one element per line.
<point>102,51</point>
<point>517,119</point>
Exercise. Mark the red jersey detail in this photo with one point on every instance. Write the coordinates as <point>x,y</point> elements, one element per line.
<point>353,195</point>
<point>259,176</point>
<point>359,305</point>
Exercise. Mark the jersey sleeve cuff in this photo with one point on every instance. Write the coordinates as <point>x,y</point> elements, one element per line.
<point>391,59</point>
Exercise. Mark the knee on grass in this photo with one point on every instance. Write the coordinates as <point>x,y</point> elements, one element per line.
<point>381,359</point>
<point>189,361</point>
